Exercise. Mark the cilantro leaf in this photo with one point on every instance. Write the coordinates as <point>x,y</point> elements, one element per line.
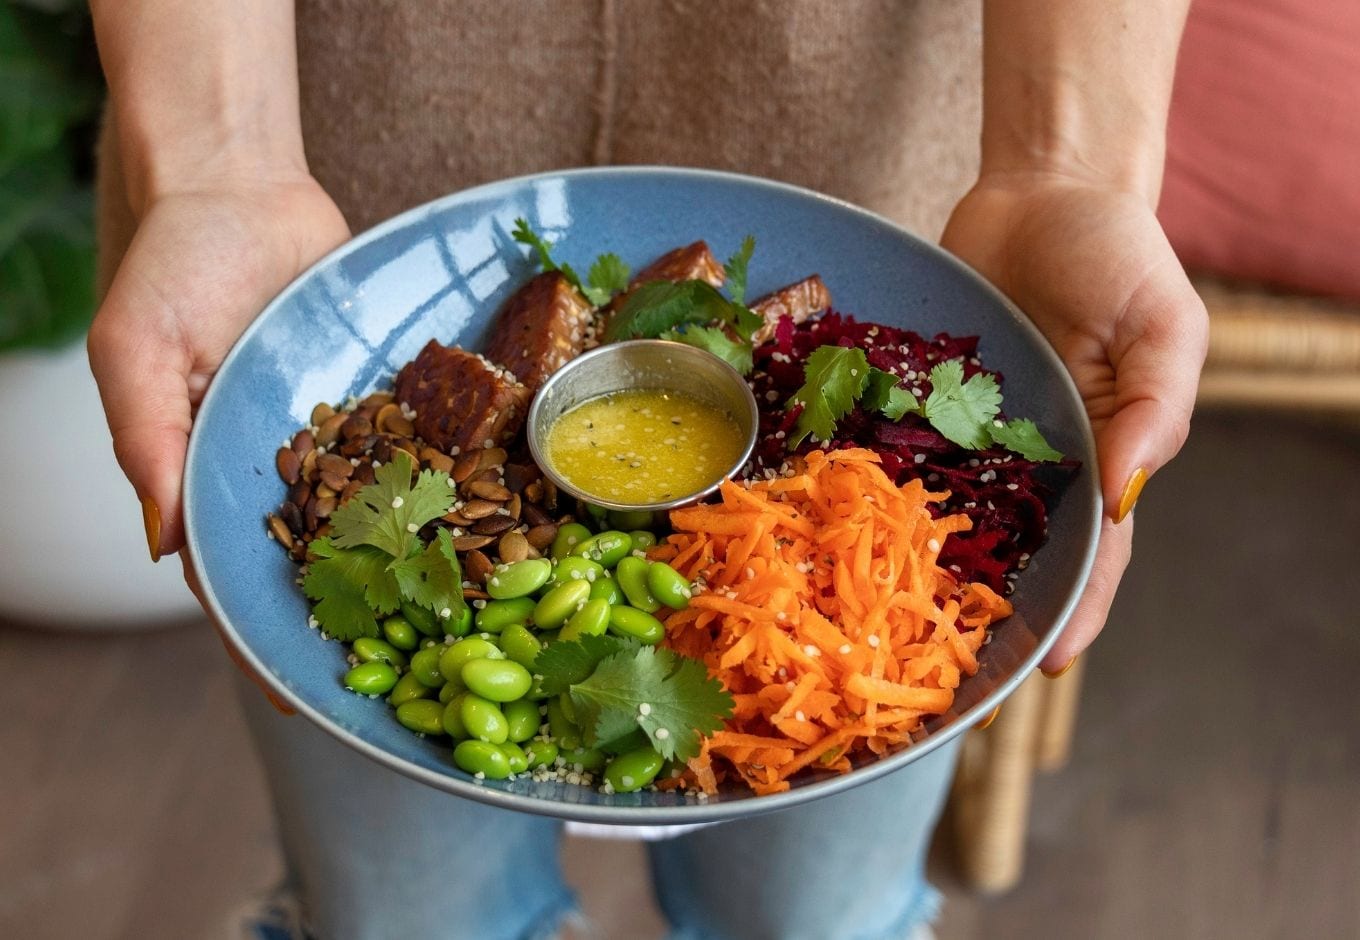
<point>525,235</point>
<point>883,394</point>
<point>736,354</point>
<point>653,308</point>
<point>834,377</point>
<point>348,586</point>
<point>735,269</point>
<point>1022,436</point>
<point>682,699</point>
<point>566,662</point>
<point>962,411</point>
<point>432,578</point>
<point>607,276</point>
<point>389,512</point>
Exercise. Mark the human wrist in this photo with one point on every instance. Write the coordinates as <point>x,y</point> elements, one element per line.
<point>203,95</point>
<point>1047,128</point>
<point>1080,90</point>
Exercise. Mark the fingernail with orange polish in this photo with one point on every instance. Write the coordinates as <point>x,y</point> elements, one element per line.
<point>151,518</point>
<point>1061,670</point>
<point>1132,489</point>
<point>988,720</point>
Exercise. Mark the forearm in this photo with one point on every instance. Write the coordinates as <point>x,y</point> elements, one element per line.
<point>1079,88</point>
<point>201,91</point>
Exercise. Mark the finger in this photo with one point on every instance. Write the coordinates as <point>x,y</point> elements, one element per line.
<point>1112,557</point>
<point>1161,339</point>
<point>142,369</point>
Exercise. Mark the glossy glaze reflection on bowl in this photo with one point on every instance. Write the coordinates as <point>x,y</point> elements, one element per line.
<point>443,270</point>
<point>642,365</point>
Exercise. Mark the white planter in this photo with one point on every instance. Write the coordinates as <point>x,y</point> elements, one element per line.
<point>73,551</point>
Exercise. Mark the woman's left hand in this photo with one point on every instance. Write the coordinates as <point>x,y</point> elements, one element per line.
<point>1090,266</point>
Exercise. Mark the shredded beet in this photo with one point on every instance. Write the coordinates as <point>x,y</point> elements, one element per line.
<point>1007,497</point>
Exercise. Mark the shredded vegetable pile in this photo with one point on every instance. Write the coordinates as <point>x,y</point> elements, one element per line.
<point>822,608</point>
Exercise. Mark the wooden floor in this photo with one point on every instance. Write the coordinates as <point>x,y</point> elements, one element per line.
<point>1214,788</point>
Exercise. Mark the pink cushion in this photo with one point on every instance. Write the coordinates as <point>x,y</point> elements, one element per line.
<point>1263,154</point>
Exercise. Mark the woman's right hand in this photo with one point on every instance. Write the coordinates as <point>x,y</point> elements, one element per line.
<point>202,265</point>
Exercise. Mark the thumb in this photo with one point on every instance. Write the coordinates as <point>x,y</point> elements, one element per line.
<point>142,368</point>
<point>1158,350</point>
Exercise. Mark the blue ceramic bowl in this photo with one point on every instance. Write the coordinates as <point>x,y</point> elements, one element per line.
<point>442,270</point>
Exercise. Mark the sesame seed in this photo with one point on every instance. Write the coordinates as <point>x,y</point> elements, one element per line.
<point>845,649</point>
<point>662,734</point>
<point>799,715</point>
<point>396,502</point>
<point>933,545</point>
<point>644,708</point>
<point>873,640</point>
<point>412,527</point>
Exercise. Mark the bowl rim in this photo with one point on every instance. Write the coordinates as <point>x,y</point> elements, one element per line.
<point>688,812</point>
<point>538,448</point>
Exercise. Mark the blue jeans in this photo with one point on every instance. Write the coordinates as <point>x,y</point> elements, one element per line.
<point>374,854</point>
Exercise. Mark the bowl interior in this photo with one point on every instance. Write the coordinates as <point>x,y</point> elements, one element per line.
<point>443,270</point>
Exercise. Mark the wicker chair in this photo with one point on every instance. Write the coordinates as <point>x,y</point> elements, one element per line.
<point>1266,349</point>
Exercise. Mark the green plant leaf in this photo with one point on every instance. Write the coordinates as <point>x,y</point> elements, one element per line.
<point>389,512</point>
<point>1022,436</point>
<point>682,701</point>
<point>348,585</point>
<point>834,378</point>
<point>962,411</point>
<point>736,354</point>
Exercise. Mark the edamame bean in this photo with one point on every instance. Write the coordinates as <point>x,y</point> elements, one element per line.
<point>500,680</point>
<point>479,757</point>
<point>497,615</point>
<point>408,687</point>
<point>370,649</point>
<point>568,537</point>
<point>629,742</point>
<point>514,754</point>
<point>519,579</point>
<point>451,688</point>
<point>589,758</point>
<point>642,540</point>
<point>591,620</point>
<point>631,574</point>
<point>400,633</point>
<point>633,770</point>
<point>630,518</point>
<point>568,708</point>
<point>483,719</point>
<point>560,728</point>
<point>576,568</point>
<point>606,548</point>
<point>422,716</point>
<point>452,659</point>
<point>422,618</point>
<point>371,678</point>
<point>460,625</point>
<point>523,719</point>
<point>425,666</point>
<point>668,585</point>
<point>638,624</point>
<point>560,603</point>
<point>520,645</point>
<point>452,717</point>
<point>540,753</point>
<point>606,588</point>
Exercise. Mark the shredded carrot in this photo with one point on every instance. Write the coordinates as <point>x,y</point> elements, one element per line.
<point>822,609</point>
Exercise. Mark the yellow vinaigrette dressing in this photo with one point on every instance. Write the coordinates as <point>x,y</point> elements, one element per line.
<point>644,446</point>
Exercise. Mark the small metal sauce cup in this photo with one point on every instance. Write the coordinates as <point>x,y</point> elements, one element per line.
<point>642,365</point>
